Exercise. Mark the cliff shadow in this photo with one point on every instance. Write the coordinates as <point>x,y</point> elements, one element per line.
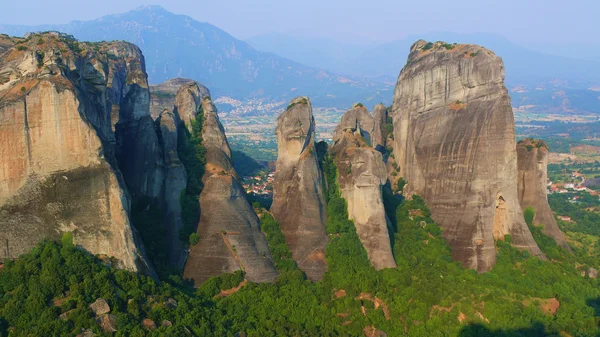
<point>477,330</point>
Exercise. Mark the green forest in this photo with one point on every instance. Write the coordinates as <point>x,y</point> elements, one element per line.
<point>48,291</point>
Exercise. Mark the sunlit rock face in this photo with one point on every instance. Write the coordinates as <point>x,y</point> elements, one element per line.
<point>455,143</point>
<point>60,103</point>
<point>298,199</point>
<point>532,158</point>
<point>229,230</point>
<point>361,176</point>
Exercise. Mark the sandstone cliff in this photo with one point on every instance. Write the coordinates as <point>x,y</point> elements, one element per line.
<point>164,95</point>
<point>298,200</point>
<point>455,144</point>
<point>380,115</point>
<point>229,230</point>
<point>532,159</point>
<point>59,103</point>
<point>357,118</point>
<point>362,174</point>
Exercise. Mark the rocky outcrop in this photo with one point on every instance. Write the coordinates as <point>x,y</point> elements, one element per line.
<point>455,143</point>
<point>60,100</point>
<point>175,181</point>
<point>380,116</point>
<point>229,230</point>
<point>357,118</point>
<point>361,175</point>
<point>163,96</point>
<point>532,159</point>
<point>298,200</point>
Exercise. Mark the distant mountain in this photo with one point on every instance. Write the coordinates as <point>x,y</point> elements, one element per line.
<point>543,82</point>
<point>179,46</point>
<point>317,52</point>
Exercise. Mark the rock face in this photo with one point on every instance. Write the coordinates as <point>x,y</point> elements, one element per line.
<point>164,95</point>
<point>362,174</point>
<point>298,200</point>
<point>60,101</point>
<point>455,144</point>
<point>532,159</point>
<point>357,118</point>
<point>380,115</point>
<point>229,230</point>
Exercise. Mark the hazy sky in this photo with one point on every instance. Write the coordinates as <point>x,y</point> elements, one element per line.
<point>524,21</point>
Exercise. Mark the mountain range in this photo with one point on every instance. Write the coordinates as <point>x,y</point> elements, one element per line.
<point>179,46</point>
<point>275,67</point>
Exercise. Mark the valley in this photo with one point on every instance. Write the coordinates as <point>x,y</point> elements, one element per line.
<point>176,181</point>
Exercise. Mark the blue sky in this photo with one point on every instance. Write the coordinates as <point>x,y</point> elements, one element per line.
<point>524,21</point>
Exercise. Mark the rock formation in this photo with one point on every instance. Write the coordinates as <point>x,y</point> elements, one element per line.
<point>229,230</point>
<point>60,101</point>
<point>532,159</point>
<point>380,115</point>
<point>455,143</point>
<point>298,200</point>
<point>164,95</point>
<point>357,118</point>
<point>362,174</point>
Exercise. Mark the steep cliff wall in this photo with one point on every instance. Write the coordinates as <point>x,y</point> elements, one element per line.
<point>532,159</point>
<point>380,115</point>
<point>229,230</point>
<point>361,176</point>
<point>455,144</point>
<point>59,102</point>
<point>298,200</point>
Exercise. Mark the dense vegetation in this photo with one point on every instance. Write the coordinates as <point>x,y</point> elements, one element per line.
<point>427,295</point>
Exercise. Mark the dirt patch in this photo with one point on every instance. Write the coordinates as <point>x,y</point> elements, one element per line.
<point>462,317</point>
<point>549,305</point>
<point>229,292</point>
<point>371,331</point>
<point>437,308</point>
<point>316,255</point>
<point>377,302</point>
<point>338,294</point>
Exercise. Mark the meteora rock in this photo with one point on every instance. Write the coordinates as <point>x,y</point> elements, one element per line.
<point>455,144</point>
<point>532,160</point>
<point>229,230</point>
<point>361,175</point>
<point>60,100</point>
<point>298,199</point>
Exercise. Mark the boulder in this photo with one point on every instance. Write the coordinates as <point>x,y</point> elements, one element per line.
<point>100,307</point>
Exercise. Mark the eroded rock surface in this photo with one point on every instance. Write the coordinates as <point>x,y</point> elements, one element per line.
<point>60,100</point>
<point>163,96</point>
<point>361,175</point>
<point>532,158</point>
<point>358,119</point>
<point>455,143</point>
<point>229,230</point>
<point>298,200</point>
<point>380,115</point>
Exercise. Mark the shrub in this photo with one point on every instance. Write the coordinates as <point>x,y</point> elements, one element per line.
<point>194,239</point>
<point>40,41</point>
<point>21,48</point>
<point>428,46</point>
<point>529,214</point>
